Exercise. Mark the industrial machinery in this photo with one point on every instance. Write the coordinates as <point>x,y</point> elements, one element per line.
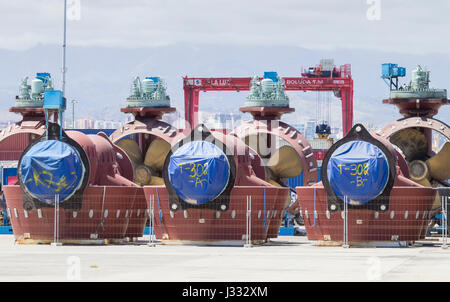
<point>413,134</point>
<point>214,186</point>
<point>322,139</point>
<point>268,90</point>
<point>29,103</point>
<point>384,180</point>
<point>147,140</point>
<point>14,138</point>
<point>341,84</point>
<point>325,69</point>
<point>32,96</point>
<point>73,187</point>
<point>284,151</point>
<point>365,196</point>
<point>208,175</point>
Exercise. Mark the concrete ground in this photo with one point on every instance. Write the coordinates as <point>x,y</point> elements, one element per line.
<point>284,259</point>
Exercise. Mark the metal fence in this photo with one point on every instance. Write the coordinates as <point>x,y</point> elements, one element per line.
<point>103,216</point>
<point>398,222</point>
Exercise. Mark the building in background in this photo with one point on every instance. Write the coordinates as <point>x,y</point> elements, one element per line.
<point>438,141</point>
<point>310,129</point>
<point>299,127</point>
<point>84,123</point>
<point>336,133</point>
<point>215,120</point>
<point>175,119</point>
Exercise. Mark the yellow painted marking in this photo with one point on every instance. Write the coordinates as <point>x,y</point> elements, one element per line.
<point>45,178</point>
<point>357,170</point>
<point>198,172</point>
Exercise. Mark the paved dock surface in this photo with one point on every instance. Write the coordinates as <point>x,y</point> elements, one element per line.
<point>284,259</point>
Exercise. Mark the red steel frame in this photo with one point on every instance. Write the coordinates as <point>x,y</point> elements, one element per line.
<point>342,86</point>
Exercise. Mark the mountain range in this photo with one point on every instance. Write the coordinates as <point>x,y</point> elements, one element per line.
<point>99,78</point>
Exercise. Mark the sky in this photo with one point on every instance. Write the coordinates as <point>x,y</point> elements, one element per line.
<point>385,25</point>
<point>112,41</point>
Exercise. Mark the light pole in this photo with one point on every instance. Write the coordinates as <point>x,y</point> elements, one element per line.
<point>73,112</point>
<point>64,51</point>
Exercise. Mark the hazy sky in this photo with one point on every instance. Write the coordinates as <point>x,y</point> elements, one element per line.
<point>173,38</point>
<point>313,24</point>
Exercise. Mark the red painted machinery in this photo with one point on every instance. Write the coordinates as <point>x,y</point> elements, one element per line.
<point>398,208</point>
<point>105,204</point>
<point>214,186</point>
<point>365,196</point>
<point>72,187</point>
<point>340,83</point>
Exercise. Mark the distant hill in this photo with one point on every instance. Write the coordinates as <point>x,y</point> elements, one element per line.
<point>100,78</point>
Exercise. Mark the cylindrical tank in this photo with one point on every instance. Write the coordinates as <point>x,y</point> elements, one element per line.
<point>267,86</point>
<point>420,78</point>
<point>37,88</point>
<point>135,90</point>
<point>24,91</point>
<point>148,86</point>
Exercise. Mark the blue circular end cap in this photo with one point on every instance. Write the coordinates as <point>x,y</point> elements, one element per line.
<point>198,172</point>
<point>359,171</point>
<point>51,168</point>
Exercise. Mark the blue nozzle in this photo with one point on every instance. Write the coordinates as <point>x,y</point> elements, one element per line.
<point>199,172</point>
<point>359,171</point>
<point>51,168</point>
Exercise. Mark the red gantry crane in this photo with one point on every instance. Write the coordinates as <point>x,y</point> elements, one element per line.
<point>314,79</point>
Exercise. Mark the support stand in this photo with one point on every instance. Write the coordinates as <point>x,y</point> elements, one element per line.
<point>56,224</point>
<point>248,235</point>
<point>151,241</point>
<point>345,245</point>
